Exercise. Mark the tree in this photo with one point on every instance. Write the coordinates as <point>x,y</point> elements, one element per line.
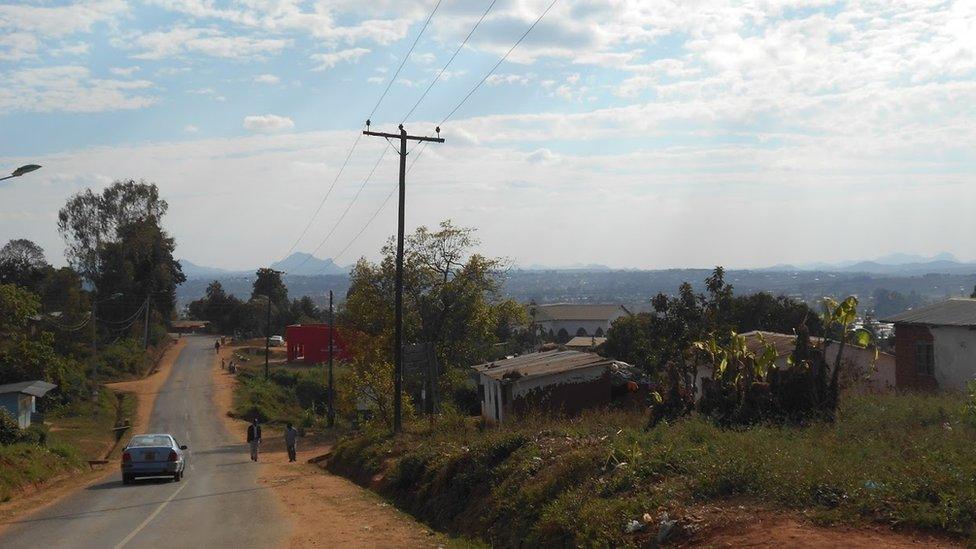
<point>450,294</point>
<point>269,283</point>
<point>89,220</point>
<point>22,263</point>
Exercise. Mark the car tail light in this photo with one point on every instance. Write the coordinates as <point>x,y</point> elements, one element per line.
<point>172,456</point>
<point>126,457</point>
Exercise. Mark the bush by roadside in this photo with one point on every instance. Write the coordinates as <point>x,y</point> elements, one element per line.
<point>903,460</point>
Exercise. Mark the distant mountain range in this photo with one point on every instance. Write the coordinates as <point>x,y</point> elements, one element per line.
<point>297,264</point>
<point>891,264</point>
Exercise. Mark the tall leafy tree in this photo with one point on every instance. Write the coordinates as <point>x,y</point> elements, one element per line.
<point>22,263</point>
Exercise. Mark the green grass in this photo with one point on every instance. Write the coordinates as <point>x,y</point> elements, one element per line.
<point>76,434</point>
<point>903,460</point>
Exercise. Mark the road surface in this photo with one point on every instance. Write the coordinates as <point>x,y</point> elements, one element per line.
<point>218,504</point>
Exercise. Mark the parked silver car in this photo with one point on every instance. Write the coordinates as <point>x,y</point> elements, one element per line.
<point>155,455</point>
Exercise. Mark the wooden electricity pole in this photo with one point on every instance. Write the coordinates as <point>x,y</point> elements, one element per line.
<point>398,334</point>
<point>331,347</point>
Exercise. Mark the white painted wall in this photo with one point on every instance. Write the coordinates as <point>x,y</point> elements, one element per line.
<point>955,356</point>
<point>572,326</point>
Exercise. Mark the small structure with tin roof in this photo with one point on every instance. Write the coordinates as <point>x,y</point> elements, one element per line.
<point>553,381</point>
<point>935,345</point>
<point>20,399</point>
<point>583,343</point>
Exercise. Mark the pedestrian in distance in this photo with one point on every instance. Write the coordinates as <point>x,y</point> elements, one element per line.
<point>254,438</point>
<point>291,441</point>
<point>217,345</point>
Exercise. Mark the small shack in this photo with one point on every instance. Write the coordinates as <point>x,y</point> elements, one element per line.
<point>585,343</point>
<point>310,343</point>
<point>554,381</point>
<point>20,399</point>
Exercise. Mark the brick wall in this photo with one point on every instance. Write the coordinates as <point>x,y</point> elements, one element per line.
<point>906,375</point>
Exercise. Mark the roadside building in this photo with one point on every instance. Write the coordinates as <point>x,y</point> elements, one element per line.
<point>189,326</point>
<point>563,321</point>
<point>552,381</point>
<point>20,399</point>
<point>310,343</point>
<point>935,346</point>
<point>585,343</point>
<point>860,366</point>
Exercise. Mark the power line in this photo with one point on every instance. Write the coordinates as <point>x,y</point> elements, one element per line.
<point>378,210</point>
<point>359,136</point>
<point>326,197</point>
<point>449,61</point>
<point>336,224</point>
<point>500,61</point>
<point>404,60</point>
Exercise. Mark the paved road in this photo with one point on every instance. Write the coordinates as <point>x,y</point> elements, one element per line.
<point>218,504</point>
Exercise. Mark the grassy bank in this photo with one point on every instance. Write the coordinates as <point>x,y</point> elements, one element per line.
<point>907,461</point>
<point>75,434</point>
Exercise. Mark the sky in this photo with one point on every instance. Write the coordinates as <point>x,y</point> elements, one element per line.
<point>629,133</point>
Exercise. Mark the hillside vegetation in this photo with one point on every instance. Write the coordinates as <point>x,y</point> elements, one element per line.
<point>904,460</point>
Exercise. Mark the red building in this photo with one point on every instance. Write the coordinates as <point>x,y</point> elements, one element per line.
<point>310,343</point>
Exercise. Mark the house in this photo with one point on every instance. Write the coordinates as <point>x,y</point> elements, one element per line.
<point>20,399</point>
<point>565,320</point>
<point>189,326</point>
<point>554,381</point>
<point>310,343</point>
<point>935,346</point>
<point>583,343</point>
<point>875,371</point>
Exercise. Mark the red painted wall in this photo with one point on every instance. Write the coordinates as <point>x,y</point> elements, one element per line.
<point>906,376</point>
<point>310,343</point>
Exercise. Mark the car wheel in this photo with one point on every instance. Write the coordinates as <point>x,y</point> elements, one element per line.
<point>177,476</point>
<point>126,479</point>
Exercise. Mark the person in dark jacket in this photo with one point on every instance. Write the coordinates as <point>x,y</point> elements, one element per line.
<point>254,438</point>
<point>291,441</point>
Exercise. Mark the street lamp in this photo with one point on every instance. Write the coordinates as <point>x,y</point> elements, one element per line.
<point>22,170</point>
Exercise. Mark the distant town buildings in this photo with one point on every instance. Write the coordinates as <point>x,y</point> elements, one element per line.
<point>935,345</point>
<point>563,321</point>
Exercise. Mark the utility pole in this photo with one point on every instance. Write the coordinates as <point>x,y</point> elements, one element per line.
<point>331,348</point>
<point>145,342</point>
<point>267,340</point>
<point>398,335</point>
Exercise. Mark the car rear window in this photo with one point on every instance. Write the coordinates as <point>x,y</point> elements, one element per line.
<point>154,440</point>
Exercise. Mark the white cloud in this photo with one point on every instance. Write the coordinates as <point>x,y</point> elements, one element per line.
<point>57,21</point>
<point>78,48</point>
<point>423,58</point>
<point>327,61</point>
<point>17,46</point>
<point>190,128</point>
<point>124,71</point>
<point>268,123</point>
<point>266,79</point>
<point>182,41</point>
<point>497,79</point>
<point>70,89</point>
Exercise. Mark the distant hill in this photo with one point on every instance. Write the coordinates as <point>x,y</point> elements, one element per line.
<point>896,264</point>
<point>297,264</point>
<point>302,264</point>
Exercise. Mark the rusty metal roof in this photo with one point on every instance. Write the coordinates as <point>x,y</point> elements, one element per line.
<point>958,311</point>
<point>541,364</point>
<point>576,311</point>
<point>586,341</point>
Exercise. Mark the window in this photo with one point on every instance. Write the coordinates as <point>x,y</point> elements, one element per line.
<point>924,358</point>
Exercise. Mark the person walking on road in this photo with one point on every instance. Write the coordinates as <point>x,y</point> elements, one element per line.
<point>291,441</point>
<point>254,438</point>
<point>217,345</point>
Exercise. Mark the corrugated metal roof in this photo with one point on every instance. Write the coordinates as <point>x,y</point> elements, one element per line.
<point>542,364</point>
<point>958,311</point>
<point>585,341</point>
<point>576,311</point>
<point>35,388</point>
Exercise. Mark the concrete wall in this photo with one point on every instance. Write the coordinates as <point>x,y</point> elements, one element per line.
<point>955,356</point>
<point>18,406</point>
<point>573,326</point>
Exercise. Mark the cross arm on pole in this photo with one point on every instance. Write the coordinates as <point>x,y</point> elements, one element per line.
<point>409,137</point>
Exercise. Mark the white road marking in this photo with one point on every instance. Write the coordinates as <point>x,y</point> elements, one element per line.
<point>150,517</point>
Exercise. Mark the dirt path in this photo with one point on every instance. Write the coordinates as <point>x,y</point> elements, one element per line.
<point>750,527</point>
<point>327,511</point>
<point>52,491</point>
